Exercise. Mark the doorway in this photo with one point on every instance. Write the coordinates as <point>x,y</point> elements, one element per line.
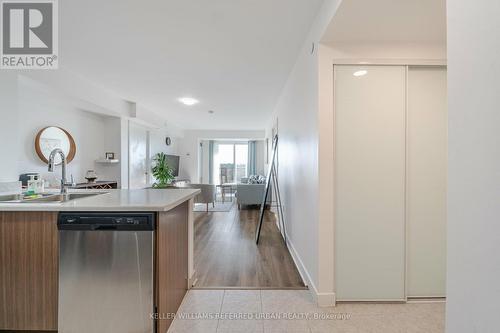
<point>225,252</point>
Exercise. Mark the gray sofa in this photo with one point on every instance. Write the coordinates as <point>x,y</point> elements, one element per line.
<point>251,194</point>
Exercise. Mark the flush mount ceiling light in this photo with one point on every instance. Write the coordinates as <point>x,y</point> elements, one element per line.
<point>211,111</point>
<point>189,101</point>
<point>360,73</point>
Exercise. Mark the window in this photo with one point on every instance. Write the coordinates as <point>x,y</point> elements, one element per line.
<point>230,162</point>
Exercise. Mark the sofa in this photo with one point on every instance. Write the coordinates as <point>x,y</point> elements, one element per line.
<point>251,194</point>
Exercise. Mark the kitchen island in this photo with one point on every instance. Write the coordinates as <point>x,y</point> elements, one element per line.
<point>30,252</point>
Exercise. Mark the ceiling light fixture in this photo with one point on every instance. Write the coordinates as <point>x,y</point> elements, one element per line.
<point>189,101</point>
<point>360,73</point>
<point>211,111</point>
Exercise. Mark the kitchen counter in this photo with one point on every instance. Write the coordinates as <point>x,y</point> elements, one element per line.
<point>29,235</point>
<point>146,200</point>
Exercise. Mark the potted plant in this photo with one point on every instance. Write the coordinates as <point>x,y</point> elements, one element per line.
<point>162,172</point>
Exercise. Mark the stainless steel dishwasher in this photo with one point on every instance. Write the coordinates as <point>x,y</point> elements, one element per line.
<point>106,272</point>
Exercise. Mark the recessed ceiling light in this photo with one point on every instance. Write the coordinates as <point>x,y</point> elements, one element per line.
<point>360,73</point>
<point>188,101</point>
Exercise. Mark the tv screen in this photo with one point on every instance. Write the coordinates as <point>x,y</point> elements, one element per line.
<point>173,162</point>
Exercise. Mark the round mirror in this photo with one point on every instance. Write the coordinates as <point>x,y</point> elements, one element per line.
<point>50,138</point>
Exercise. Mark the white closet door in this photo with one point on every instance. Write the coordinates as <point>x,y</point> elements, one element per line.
<point>138,156</point>
<point>370,182</point>
<point>426,181</point>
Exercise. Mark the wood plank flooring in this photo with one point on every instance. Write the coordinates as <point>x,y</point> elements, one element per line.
<point>226,256</point>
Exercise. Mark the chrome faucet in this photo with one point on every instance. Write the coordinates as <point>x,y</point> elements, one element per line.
<point>52,163</point>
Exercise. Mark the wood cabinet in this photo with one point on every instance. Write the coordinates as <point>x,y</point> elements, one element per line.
<point>171,263</point>
<point>29,252</point>
<point>28,271</point>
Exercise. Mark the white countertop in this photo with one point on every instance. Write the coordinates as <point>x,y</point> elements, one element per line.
<point>146,200</point>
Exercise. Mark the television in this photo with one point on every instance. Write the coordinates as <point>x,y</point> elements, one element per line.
<point>173,162</point>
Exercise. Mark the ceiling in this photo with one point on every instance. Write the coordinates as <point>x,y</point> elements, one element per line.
<point>408,21</point>
<point>234,56</point>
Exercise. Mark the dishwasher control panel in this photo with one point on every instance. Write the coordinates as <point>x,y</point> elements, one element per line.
<point>105,221</point>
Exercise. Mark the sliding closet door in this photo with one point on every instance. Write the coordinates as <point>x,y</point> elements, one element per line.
<point>370,182</point>
<point>426,181</point>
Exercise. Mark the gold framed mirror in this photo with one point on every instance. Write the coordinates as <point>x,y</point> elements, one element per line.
<point>52,137</point>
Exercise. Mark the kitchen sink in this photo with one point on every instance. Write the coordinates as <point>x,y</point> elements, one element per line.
<point>61,197</point>
<point>45,198</point>
<point>11,198</point>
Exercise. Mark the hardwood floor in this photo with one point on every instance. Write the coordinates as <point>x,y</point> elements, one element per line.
<point>226,256</point>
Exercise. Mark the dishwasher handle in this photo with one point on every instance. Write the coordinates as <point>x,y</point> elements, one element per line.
<point>103,227</point>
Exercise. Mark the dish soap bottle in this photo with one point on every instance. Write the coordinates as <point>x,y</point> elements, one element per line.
<point>32,185</point>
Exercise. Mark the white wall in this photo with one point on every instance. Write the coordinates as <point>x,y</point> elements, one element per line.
<point>93,134</point>
<point>189,148</point>
<point>204,161</point>
<point>157,144</point>
<point>112,143</point>
<point>85,94</point>
<point>474,167</point>
<point>310,231</point>
<point>260,153</point>
<point>97,119</point>
<point>124,181</point>
<point>9,119</point>
<point>383,51</point>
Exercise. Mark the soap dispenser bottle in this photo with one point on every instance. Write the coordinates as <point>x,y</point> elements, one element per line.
<point>32,185</point>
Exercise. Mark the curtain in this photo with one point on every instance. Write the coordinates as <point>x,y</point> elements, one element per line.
<point>252,158</point>
<point>211,161</point>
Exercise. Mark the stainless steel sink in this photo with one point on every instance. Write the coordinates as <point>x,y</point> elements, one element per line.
<point>11,198</point>
<point>46,197</point>
<point>61,197</point>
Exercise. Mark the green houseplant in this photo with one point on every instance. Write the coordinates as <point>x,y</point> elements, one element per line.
<point>162,172</point>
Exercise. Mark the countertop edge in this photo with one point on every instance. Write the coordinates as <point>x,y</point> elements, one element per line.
<point>63,207</point>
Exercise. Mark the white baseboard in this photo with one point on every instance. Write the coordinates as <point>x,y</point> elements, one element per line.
<point>322,299</point>
<point>325,300</point>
